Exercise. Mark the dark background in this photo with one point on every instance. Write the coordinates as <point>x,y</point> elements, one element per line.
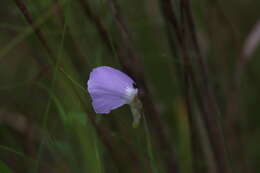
<point>195,63</point>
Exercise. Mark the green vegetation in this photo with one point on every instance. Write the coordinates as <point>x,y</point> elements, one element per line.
<point>194,63</point>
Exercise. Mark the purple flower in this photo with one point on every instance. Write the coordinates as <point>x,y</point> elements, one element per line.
<point>109,89</point>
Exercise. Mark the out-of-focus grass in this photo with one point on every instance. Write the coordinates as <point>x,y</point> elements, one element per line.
<point>46,120</point>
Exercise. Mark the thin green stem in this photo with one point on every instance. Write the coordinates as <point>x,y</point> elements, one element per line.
<point>149,146</point>
<point>45,117</point>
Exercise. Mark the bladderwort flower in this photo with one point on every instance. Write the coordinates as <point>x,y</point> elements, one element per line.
<point>110,88</point>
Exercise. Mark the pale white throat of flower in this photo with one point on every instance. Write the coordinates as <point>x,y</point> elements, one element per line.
<point>135,105</point>
<point>131,93</point>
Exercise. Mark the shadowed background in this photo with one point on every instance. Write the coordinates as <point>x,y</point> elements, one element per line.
<point>195,64</point>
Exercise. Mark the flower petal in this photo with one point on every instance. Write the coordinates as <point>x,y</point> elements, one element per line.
<point>108,88</point>
<point>104,104</point>
<point>109,78</point>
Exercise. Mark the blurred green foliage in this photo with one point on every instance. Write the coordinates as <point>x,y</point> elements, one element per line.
<point>45,110</point>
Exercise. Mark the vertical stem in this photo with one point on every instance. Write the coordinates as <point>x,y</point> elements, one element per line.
<point>21,5</point>
<point>202,88</point>
<point>98,23</point>
<point>149,145</point>
<point>213,123</point>
<point>131,63</point>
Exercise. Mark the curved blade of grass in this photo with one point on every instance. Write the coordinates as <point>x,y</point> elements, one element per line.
<point>4,168</point>
<point>18,153</point>
<point>27,32</point>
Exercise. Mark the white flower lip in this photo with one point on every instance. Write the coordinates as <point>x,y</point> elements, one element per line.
<point>130,94</point>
